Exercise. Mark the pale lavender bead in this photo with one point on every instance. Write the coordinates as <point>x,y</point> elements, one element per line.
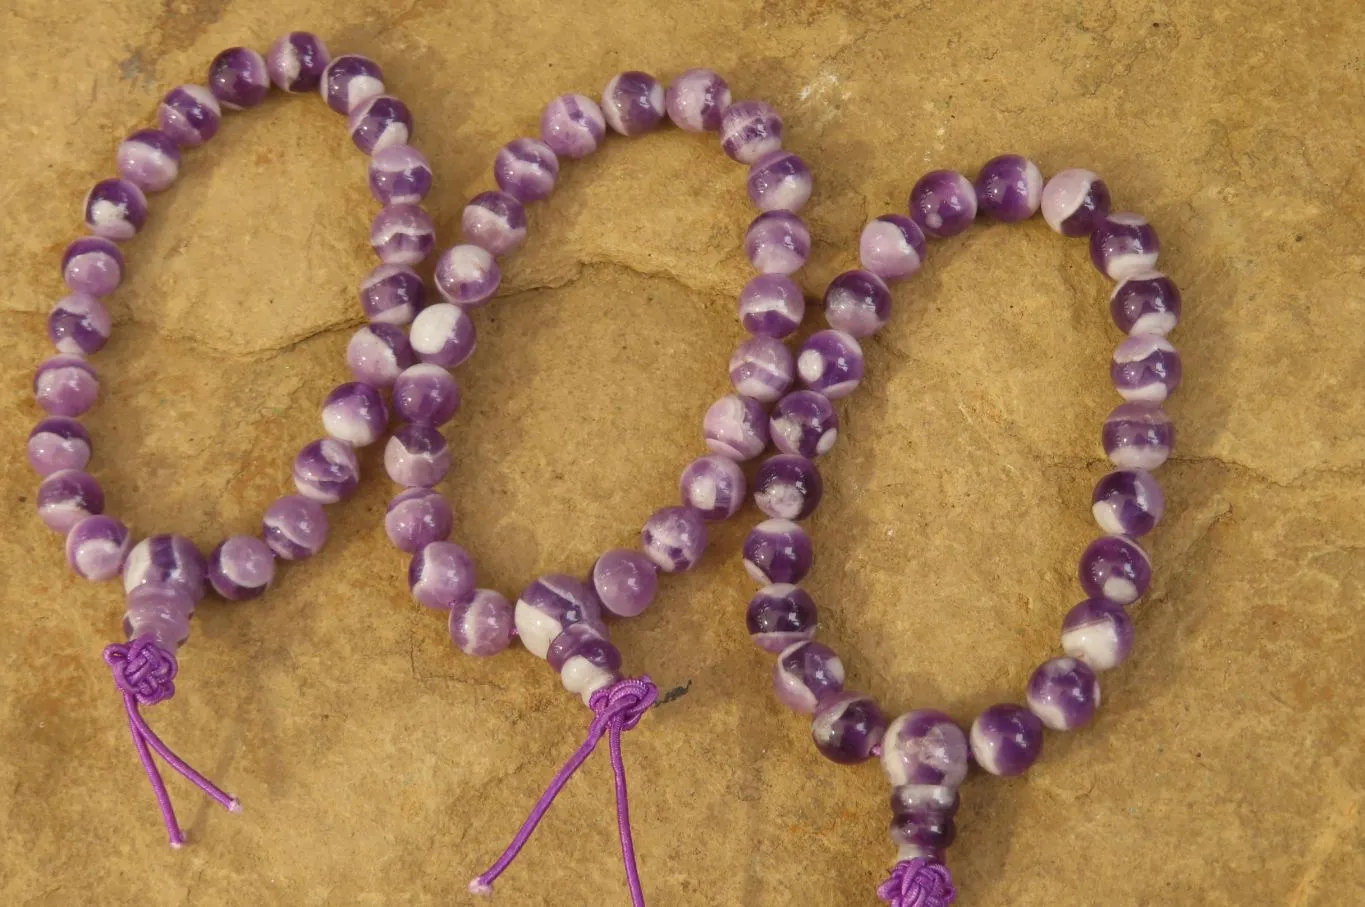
<point>526,169</point>
<point>355,413</point>
<point>778,551</point>
<point>1124,245</point>
<point>572,125</point>
<point>165,561</point>
<point>96,547</point>
<point>441,575</point>
<point>892,247</point>
<point>585,660</point>
<point>380,122</point>
<point>378,353</point>
<point>625,581</point>
<point>1064,694</point>
<point>79,325</point>
<point>58,443</point>
<point>943,203</point>
<point>296,62</point>
<point>1115,568</point>
<point>238,78</point>
<point>780,181</point>
<point>771,305</point>
<point>857,303</point>
<point>1138,436</point>
<point>1009,188</point>
<point>402,235</point>
<point>848,727</point>
<point>1145,368</point>
<point>804,423</point>
<point>115,209</point>
<point>68,496</point>
<point>326,471</point>
<point>749,130</point>
<point>241,567</point>
<point>1075,202</point>
<point>417,517</point>
<point>494,221</point>
<point>467,275</point>
<point>777,242</point>
<point>65,385</point>
<point>482,625</point>
<point>696,100</point>
<point>806,675</point>
<point>161,613</point>
<point>633,102</point>
<point>426,394</point>
<point>1099,633</point>
<point>417,456</point>
<point>1145,303</point>
<point>780,616</point>
<point>92,265</point>
<point>674,538</point>
<point>443,334</point>
<point>762,368</point>
<point>392,294</point>
<point>349,81</point>
<point>831,363</point>
<point>552,604</point>
<point>925,747</point>
<point>1128,502</point>
<point>149,159</point>
<point>788,487</point>
<point>736,427</point>
<point>714,485</point>
<point>189,114</point>
<point>294,527</point>
<point>399,175</point>
<point>1006,739</point>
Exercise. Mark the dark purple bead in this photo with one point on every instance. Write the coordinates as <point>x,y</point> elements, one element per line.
<point>494,221</point>
<point>1128,502</point>
<point>1009,188</point>
<point>294,527</point>
<point>831,363</point>
<point>97,546</point>
<point>296,62</point>
<point>1006,739</point>
<point>1146,303</point>
<point>804,423</point>
<point>925,747</point>
<point>1145,367</point>
<point>780,181</point>
<point>576,640</point>
<point>378,353</point>
<point>426,394</point>
<point>1099,633</point>
<point>399,175</point>
<point>1075,202</point>
<point>771,305</point>
<point>238,78</point>
<point>66,385</point>
<point>349,81</point>
<point>241,568</point>
<point>633,102</point>
<point>674,538</point>
<point>92,265</point>
<point>778,551</point>
<point>696,100</point>
<point>58,443</point>
<point>848,727</point>
<point>68,496</point>
<point>1124,245</point>
<point>1064,693</point>
<point>79,325</point>
<point>149,159</point>
<point>806,675</point>
<point>777,242</point>
<point>788,487</point>
<point>417,517</point>
<point>380,122</point>
<point>526,169</point>
<point>925,831</point>
<point>857,303</point>
<point>441,575</point>
<point>355,412</point>
<point>326,471</point>
<point>781,615</point>
<point>943,203</point>
<point>115,209</point>
<point>749,130</point>
<point>392,294</point>
<point>161,561</point>
<point>1138,436</point>
<point>189,114</point>
<point>1115,568</point>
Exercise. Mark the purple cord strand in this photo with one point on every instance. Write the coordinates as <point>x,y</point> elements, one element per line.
<point>618,768</point>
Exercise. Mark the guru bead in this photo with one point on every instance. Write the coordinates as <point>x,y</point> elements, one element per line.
<point>294,527</point>
<point>788,487</point>
<point>736,427</point>
<point>781,615</point>
<point>848,727</point>
<point>674,538</point>
<point>749,130</point>
<point>584,659</point>
<point>58,443</point>
<point>115,209</point>
<point>79,325</point>
<point>190,115</point>
<point>417,456</point>
<point>416,517</point>
<point>482,624</point>
<point>355,413</point>
<point>925,747</point>
<point>892,247</point>
<point>714,485</point>
<point>1006,739</point>
<point>778,551</point>
<point>633,103</point>
<point>1128,502</point>
<point>779,181</point>
<point>1063,693</point>
<point>1075,202</point>
<point>165,560</point>
<point>1138,436</point>
<point>804,423</point>
<point>392,294</point>
<point>67,497</point>
<point>161,613</point>
<point>441,575</point>
<point>92,265</point>
<point>1115,568</point>
<point>149,159</point>
<point>762,368</point>
<point>241,567</point>
<point>1009,188</point>
<point>296,62</point>
<point>696,100</point>
<point>943,203</point>
<point>97,546</point>
<point>857,303</point>
<point>399,175</point>
<point>807,674</point>
<point>1099,633</point>
<point>1124,245</point>
<point>831,363</point>
<point>572,125</point>
<point>326,471</point>
<point>238,78</point>
<point>777,242</point>
<point>551,605</point>
<point>625,581</point>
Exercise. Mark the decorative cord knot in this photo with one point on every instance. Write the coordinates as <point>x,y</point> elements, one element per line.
<point>918,883</point>
<point>625,701</point>
<point>142,669</point>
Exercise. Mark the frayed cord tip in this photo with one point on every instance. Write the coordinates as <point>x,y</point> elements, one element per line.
<point>479,886</point>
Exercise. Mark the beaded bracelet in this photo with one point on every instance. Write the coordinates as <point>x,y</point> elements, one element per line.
<point>924,753</point>
<point>165,576</point>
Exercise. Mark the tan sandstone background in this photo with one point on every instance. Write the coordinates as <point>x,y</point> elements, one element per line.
<point>380,766</point>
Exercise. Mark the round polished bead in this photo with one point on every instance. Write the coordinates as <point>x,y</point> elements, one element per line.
<point>696,100</point>
<point>572,125</point>
<point>79,325</point>
<point>674,538</point>
<point>380,122</point>
<point>58,443</point>
<point>780,181</point>
<point>1146,368</point>
<point>1115,568</point>
<point>165,561</point>
<point>1063,693</point>
<point>892,247</point>
<point>443,334</point>
<point>925,747</point>
<point>1124,245</point>
<point>399,175</point>
<point>426,394</point>
<point>241,567</point>
<point>402,235</point>
<point>1099,633</point>
<point>326,471</point>
<point>161,613</point>
<point>417,456</point>
<point>848,727</point>
<point>1006,739</point>
<point>294,527</point>
<point>714,485</point>
<point>392,294</point>
<point>467,275</point>
<point>1009,188</point>
<point>762,368</point>
<point>65,385</point>
<point>149,159</point>
<point>378,353</point>
<point>482,624</point>
<point>804,423</point>
<point>588,662</point>
<point>355,413</point>
<point>927,832</point>
<point>416,517</point>
<point>943,203</point>
<point>349,81</point>
<point>68,496</point>
<point>552,604</point>
<point>115,209</point>
<point>97,546</point>
<point>625,581</point>
<point>777,242</point>
<point>92,265</point>
<point>238,78</point>
<point>441,574</point>
<point>778,551</point>
<point>1128,502</point>
<point>771,305</point>
<point>857,303</point>
<point>296,62</point>
<point>526,169</point>
<point>494,221</point>
<point>1146,302</point>
<point>780,616</point>
<point>806,675</point>
<point>189,114</point>
<point>736,427</point>
<point>1075,202</point>
<point>749,130</point>
<point>633,102</point>
<point>831,363</point>
<point>1138,436</point>
<point>788,487</point>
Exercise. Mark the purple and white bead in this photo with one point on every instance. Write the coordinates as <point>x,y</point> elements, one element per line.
<point>160,612</point>
<point>633,102</point>
<point>115,209</point>
<point>749,130</point>
<point>165,560</point>
<point>1009,188</point>
<point>79,325</point>
<point>696,100</point>
<point>482,625</point>
<point>92,265</point>
<point>1128,502</point>
<point>788,487</point>
<point>65,385</point>
<point>149,159</point>
<point>777,242</point>
<point>378,353</point>
<point>68,496</point>
<point>925,747</point>
<point>857,303</point>
<point>238,78</point>
<point>572,125</point>
<point>399,175</point>
<point>443,334</point>
<point>467,275</point>
<point>494,221</point>
<point>625,581</point>
<point>714,485</point>
<point>326,470</point>
<point>1146,302</point>
<point>1064,694</point>
<point>943,203</point>
<point>1146,368</point>
<point>189,114</point>
<point>551,605</point>
<point>294,527</point>
<point>426,394</point>
<point>804,423</point>
<point>96,547</point>
<point>1124,245</point>
<point>1006,739</point>
<point>762,368</point>
<point>417,456</point>
<point>526,169</point>
<point>441,575</point>
<point>892,247</point>
<point>806,675</point>
<point>380,122</point>
<point>771,305</point>
<point>780,616</point>
<point>1099,633</point>
<point>848,727</point>
<point>349,81</point>
<point>780,181</point>
<point>241,567</point>
<point>1115,568</point>
<point>736,427</point>
<point>416,517</point>
<point>674,538</point>
<point>402,235</point>
<point>778,551</point>
<point>584,659</point>
<point>1138,436</point>
<point>1075,202</point>
<point>922,819</point>
<point>392,294</point>
<point>296,62</point>
<point>355,413</point>
<point>58,443</point>
<point>831,363</point>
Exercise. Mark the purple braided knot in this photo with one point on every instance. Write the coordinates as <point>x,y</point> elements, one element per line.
<point>625,701</point>
<point>142,669</point>
<point>918,883</point>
